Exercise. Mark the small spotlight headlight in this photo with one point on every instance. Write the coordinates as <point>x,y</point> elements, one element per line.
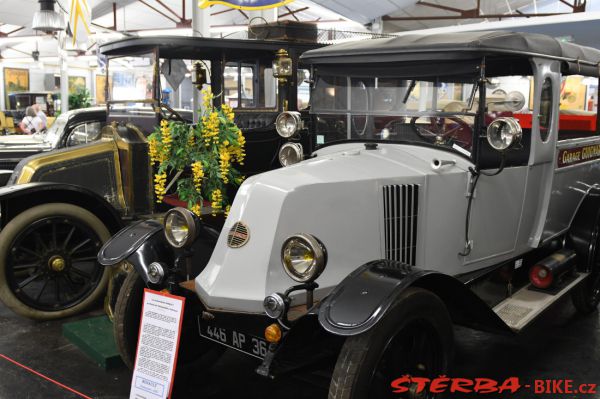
<point>504,133</point>
<point>290,153</point>
<point>274,305</point>
<point>288,123</point>
<point>304,257</point>
<point>156,272</point>
<point>180,227</point>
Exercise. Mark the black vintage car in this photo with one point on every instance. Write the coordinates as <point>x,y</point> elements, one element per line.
<point>71,128</point>
<point>60,207</point>
<point>18,102</point>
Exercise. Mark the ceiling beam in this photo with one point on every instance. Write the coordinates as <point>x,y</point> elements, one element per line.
<point>170,10</point>
<point>293,12</point>
<point>158,11</point>
<point>475,13</point>
<point>450,17</point>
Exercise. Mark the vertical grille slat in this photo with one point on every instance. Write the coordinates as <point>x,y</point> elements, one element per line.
<point>400,214</point>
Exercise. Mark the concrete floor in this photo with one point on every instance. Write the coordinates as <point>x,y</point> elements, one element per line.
<point>559,346</point>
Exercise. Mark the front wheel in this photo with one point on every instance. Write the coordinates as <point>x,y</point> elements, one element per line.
<point>415,338</point>
<point>48,266</point>
<point>126,325</point>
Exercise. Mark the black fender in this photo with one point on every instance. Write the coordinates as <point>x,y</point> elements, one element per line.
<point>144,242</point>
<point>140,244</point>
<point>364,297</point>
<point>582,229</point>
<point>15,199</point>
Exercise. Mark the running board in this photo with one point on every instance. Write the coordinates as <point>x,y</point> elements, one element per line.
<point>526,305</point>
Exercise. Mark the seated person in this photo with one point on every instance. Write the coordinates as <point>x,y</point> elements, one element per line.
<point>31,123</point>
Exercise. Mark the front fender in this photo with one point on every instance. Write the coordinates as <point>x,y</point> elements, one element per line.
<point>364,297</point>
<point>15,199</point>
<point>140,244</point>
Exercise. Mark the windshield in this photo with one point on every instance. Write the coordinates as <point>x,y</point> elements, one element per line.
<point>435,110</point>
<point>131,80</point>
<point>52,135</point>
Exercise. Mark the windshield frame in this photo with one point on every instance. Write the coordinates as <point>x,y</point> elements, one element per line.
<point>477,81</point>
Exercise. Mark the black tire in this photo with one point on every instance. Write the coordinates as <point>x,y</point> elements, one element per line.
<point>126,325</point>
<point>126,317</point>
<point>363,365</point>
<point>586,296</point>
<point>28,245</point>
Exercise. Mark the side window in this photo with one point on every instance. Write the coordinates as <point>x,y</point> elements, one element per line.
<point>84,133</point>
<point>578,107</point>
<point>545,116</point>
<point>303,88</point>
<point>249,85</point>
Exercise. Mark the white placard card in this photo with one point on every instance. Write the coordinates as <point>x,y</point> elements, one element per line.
<point>158,342</point>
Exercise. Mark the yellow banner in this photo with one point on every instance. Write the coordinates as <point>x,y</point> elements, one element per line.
<point>245,4</point>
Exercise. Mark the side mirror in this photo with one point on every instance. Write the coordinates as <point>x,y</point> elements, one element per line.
<point>504,133</point>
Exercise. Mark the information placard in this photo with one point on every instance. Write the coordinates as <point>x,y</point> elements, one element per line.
<point>158,341</point>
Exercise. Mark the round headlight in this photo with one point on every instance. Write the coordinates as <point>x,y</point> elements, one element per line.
<point>504,133</point>
<point>303,257</point>
<point>287,123</point>
<point>180,227</point>
<point>156,272</point>
<point>290,153</point>
<point>274,305</point>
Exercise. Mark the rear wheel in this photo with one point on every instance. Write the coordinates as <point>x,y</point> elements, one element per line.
<point>586,296</point>
<point>414,338</point>
<point>126,325</point>
<point>48,266</point>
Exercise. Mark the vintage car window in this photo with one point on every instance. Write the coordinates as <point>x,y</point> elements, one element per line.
<point>53,134</point>
<point>430,110</point>
<point>131,79</point>
<point>545,116</point>
<point>85,133</point>
<point>578,107</point>
<point>249,85</point>
<point>303,88</point>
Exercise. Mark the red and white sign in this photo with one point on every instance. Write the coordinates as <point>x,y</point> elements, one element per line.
<point>158,342</point>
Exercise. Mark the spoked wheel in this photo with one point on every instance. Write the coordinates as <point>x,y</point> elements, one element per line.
<point>126,325</point>
<point>48,266</point>
<point>586,296</point>
<point>415,338</point>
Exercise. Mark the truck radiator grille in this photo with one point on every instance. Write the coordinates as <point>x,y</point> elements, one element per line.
<point>401,209</point>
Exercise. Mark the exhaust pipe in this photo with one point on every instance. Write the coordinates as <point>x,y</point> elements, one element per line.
<point>550,271</point>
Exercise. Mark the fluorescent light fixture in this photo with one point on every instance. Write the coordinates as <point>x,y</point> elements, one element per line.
<point>46,19</point>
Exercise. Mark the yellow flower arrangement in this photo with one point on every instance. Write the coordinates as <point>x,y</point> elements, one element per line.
<point>206,153</point>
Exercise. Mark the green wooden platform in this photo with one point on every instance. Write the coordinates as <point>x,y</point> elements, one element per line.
<point>94,336</point>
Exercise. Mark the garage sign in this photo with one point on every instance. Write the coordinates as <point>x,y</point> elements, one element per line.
<point>574,156</point>
<point>245,4</point>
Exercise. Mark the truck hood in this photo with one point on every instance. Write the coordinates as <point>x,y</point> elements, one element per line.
<point>335,196</point>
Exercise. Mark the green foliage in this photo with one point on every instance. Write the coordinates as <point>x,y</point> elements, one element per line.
<point>80,99</point>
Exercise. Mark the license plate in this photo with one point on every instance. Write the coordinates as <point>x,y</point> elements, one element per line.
<point>240,341</point>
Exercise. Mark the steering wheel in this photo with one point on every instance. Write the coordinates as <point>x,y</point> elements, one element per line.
<point>438,131</point>
<point>170,114</point>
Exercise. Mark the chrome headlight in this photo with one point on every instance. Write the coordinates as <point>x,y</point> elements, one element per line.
<point>504,133</point>
<point>304,257</point>
<point>180,227</point>
<point>274,305</point>
<point>288,123</point>
<point>290,153</point>
<point>156,272</point>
